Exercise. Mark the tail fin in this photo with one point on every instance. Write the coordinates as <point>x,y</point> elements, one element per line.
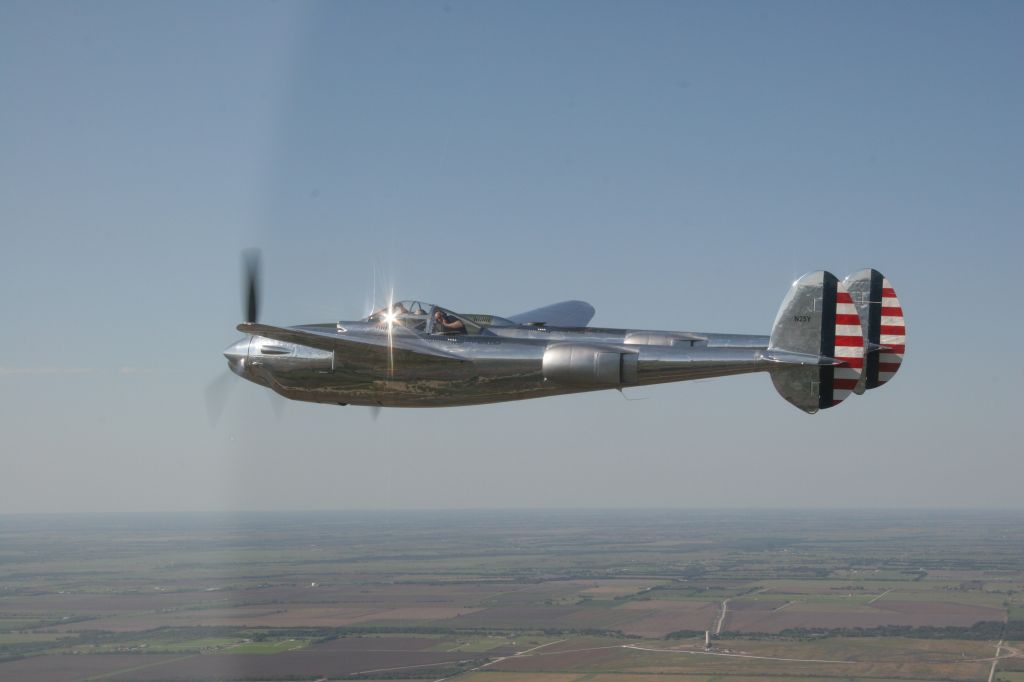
<point>881,316</point>
<point>817,342</point>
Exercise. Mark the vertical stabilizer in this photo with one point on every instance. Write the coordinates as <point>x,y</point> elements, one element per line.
<point>883,329</point>
<point>817,321</point>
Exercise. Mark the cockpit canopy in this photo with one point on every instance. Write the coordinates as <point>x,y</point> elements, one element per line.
<point>409,314</point>
<point>420,317</point>
<point>403,308</point>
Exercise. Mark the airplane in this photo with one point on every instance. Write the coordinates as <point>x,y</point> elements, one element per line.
<point>830,338</point>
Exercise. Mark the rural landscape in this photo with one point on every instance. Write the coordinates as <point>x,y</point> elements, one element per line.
<point>509,596</point>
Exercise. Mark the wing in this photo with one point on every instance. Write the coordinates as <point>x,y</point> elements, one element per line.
<point>374,352</point>
<point>564,314</point>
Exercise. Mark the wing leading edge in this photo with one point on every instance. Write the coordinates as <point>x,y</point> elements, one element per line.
<point>563,314</point>
<point>369,351</point>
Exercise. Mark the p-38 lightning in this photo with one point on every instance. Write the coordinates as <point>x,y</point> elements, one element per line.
<point>830,338</point>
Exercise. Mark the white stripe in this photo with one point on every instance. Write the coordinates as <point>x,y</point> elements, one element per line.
<point>849,330</point>
<point>892,320</point>
<point>849,352</point>
<point>891,302</point>
<point>898,339</point>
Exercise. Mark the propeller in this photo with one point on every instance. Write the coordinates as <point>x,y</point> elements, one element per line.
<point>217,395</point>
<point>218,390</point>
<point>251,284</point>
<point>277,404</point>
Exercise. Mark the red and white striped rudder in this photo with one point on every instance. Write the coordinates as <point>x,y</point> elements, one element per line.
<point>883,328</point>
<point>848,346</point>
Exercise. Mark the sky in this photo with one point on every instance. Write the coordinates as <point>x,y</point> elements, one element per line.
<point>676,164</point>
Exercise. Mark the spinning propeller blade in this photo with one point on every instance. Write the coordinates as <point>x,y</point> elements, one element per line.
<point>217,396</point>
<point>251,284</point>
<point>217,390</point>
<point>277,405</point>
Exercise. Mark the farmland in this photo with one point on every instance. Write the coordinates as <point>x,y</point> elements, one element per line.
<point>555,596</point>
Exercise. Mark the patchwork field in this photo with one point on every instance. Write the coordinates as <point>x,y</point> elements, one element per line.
<point>488,596</point>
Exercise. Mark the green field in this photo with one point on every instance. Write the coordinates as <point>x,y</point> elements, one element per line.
<point>270,647</point>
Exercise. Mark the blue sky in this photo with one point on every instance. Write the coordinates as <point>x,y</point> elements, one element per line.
<point>675,164</point>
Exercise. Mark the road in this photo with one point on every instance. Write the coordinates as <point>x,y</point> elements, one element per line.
<point>725,655</point>
<point>995,662</point>
<point>499,659</point>
<point>880,596</point>
<point>721,617</point>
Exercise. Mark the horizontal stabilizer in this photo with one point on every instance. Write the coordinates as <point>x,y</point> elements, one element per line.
<point>802,359</point>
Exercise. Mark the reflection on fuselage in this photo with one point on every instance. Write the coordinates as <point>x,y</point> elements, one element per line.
<point>489,360</point>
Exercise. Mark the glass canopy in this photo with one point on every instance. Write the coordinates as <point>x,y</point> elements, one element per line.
<point>428,318</point>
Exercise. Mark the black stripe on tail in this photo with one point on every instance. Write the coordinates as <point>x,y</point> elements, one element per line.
<point>829,288</point>
<point>874,328</point>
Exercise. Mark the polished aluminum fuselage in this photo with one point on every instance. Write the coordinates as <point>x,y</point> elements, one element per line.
<point>501,363</point>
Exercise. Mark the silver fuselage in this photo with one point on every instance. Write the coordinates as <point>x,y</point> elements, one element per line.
<point>501,363</point>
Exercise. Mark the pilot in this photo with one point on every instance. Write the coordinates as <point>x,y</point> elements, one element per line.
<point>399,309</point>
<point>447,324</point>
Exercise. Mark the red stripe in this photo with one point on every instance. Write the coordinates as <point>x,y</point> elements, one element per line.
<point>847,384</point>
<point>888,366</point>
<point>843,297</point>
<point>850,341</point>
<point>895,348</point>
<point>836,402</point>
<point>856,363</point>
<point>888,293</point>
<point>892,312</point>
<point>893,330</point>
<point>848,319</point>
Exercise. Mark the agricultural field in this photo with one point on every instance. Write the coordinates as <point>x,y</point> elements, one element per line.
<point>624,596</point>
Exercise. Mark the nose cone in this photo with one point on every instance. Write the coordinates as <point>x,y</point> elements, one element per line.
<point>236,354</point>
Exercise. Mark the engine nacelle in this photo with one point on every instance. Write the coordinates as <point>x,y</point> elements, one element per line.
<point>582,365</point>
